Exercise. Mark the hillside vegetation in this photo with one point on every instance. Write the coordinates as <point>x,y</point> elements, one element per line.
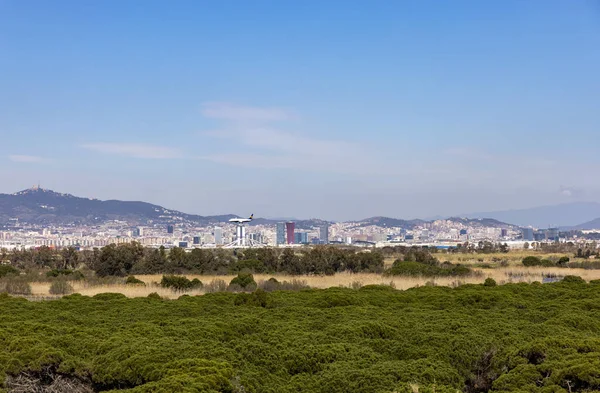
<point>474,338</point>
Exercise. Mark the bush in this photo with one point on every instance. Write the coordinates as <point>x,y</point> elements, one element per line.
<point>563,261</point>
<point>258,298</point>
<point>131,280</point>
<point>535,261</point>
<point>180,283</point>
<point>61,287</point>
<point>17,287</point>
<point>244,281</point>
<point>5,270</point>
<point>489,282</point>
<point>402,268</point>
<point>155,296</point>
<point>73,274</point>
<point>573,280</point>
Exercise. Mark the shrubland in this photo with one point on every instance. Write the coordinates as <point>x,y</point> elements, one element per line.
<point>474,338</point>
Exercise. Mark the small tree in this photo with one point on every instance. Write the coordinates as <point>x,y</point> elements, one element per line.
<point>563,261</point>
<point>244,281</point>
<point>532,261</point>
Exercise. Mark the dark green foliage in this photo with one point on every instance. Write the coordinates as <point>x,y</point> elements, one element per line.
<point>573,280</point>
<point>489,282</point>
<point>155,296</point>
<point>563,261</point>
<point>531,261</point>
<point>405,268</point>
<point>180,283</point>
<point>535,261</point>
<point>109,296</point>
<point>511,338</point>
<point>258,298</point>
<point>5,270</point>
<point>69,274</point>
<point>131,280</point>
<point>244,281</point>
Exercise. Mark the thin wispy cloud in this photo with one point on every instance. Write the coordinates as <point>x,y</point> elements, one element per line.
<point>25,158</point>
<point>239,113</point>
<point>135,150</point>
<point>251,140</point>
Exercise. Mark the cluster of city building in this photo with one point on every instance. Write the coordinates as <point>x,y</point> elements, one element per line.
<point>284,234</point>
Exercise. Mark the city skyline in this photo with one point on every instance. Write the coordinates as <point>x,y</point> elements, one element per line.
<point>313,110</point>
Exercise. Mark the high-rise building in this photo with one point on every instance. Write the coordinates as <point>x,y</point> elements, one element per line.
<point>136,232</point>
<point>301,238</point>
<point>280,233</point>
<point>170,229</point>
<point>196,240</point>
<point>289,231</point>
<point>528,234</point>
<point>552,234</point>
<point>183,244</point>
<point>324,233</point>
<point>218,235</point>
<point>503,232</point>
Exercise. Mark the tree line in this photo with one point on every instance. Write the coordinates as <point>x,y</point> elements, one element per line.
<point>133,258</point>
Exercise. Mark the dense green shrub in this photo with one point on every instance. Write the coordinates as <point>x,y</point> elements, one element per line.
<point>258,298</point>
<point>508,338</point>
<point>531,261</point>
<point>563,261</point>
<point>180,283</point>
<point>244,281</point>
<point>404,268</point>
<point>132,280</point>
<point>535,261</point>
<point>71,274</point>
<point>489,282</point>
<point>5,270</point>
<point>573,280</point>
<point>61,287</point>
<point>155,296</point>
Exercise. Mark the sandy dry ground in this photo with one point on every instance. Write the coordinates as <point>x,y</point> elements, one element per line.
<point>501,275</point>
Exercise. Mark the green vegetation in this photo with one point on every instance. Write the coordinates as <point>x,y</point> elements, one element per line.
<point>244,281</point>
<point>69,274</point>
<point>512,338</point>
<point>131,280</point>
<point>422,263</point>
<point>535,261</point>
<point>180,283</point>
<point>5,270</point>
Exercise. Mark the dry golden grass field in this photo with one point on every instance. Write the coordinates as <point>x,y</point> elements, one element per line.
<point>501,275</point>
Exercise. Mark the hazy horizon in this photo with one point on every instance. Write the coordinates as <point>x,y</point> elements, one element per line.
<point>336,110</point>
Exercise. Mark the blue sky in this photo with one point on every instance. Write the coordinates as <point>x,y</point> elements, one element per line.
<point>331,109</point>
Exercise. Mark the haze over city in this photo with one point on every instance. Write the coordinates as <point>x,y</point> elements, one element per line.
<point>337,110</point>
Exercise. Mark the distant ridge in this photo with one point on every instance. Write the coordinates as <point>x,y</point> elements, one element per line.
<point>46,207</point>
<point>594,224</point>
<point>410,224</point>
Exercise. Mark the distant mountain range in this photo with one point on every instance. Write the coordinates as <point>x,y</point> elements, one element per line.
<point>563,215</point>
<point>45,207</point>
<point>594,224</point>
